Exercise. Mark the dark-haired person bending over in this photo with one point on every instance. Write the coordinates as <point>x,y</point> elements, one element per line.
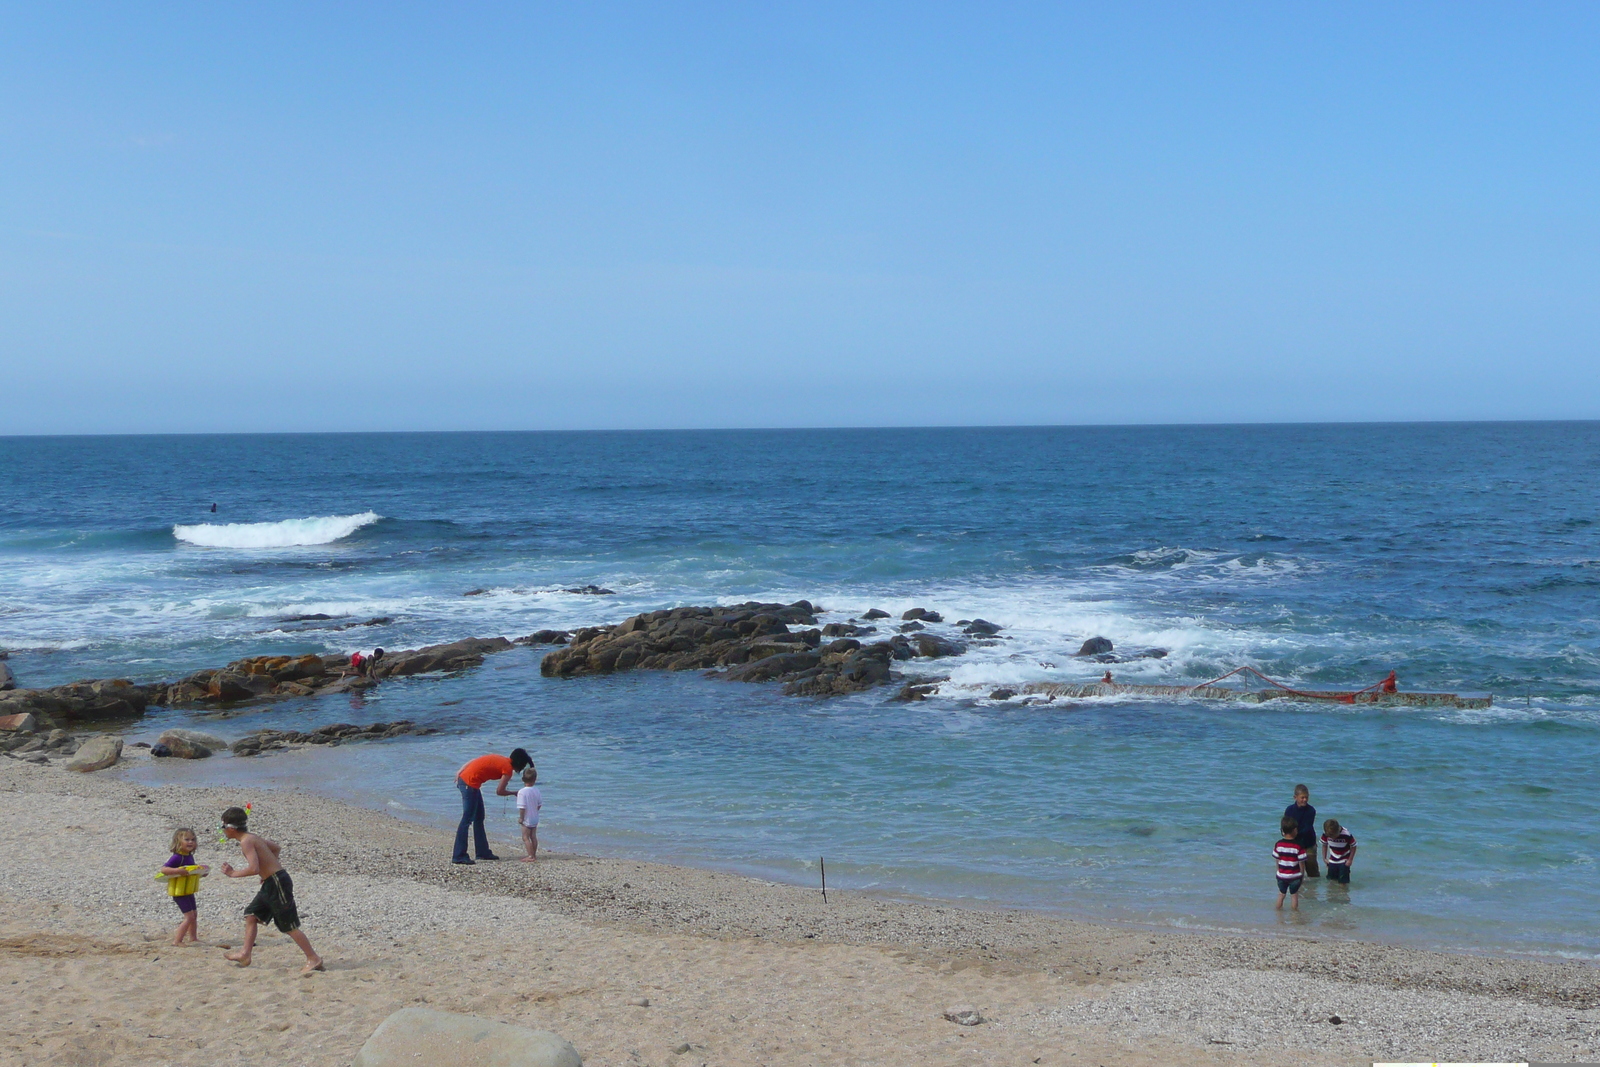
<point>469,782</point>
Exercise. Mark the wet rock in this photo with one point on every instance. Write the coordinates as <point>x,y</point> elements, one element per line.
<point>1095,646</point>
<point>981,628</point>
<point>591,590</point>
<point>845,629</point>
<point>196,737</point>
<point>422,1036</point>
<point>914,691</point>
<point>687,638</point>
<point>544,637</point>
<point>931,646</point>
<point>772,668</point>
<point>480,591</point>
<point>160,751</point>
<point>874,613</point>
<point>454,656</point>
<point>7,679</point>
<point>911,627</point>
<point>313,617</point>
<point>254,744</point>
<point>1002,694</point>
<point>96,754</point>
<point>181,747</point>
<point>922,613</point>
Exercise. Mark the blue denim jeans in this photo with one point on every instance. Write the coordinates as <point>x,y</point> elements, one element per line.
<point>471,815</point>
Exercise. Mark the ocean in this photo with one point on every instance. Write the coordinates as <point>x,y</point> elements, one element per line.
<point>1464,556</point>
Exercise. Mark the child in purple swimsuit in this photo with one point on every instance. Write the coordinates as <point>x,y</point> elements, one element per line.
<point>184,842</point>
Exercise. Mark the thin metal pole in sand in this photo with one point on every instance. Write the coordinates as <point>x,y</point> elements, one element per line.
<point>821,863</point>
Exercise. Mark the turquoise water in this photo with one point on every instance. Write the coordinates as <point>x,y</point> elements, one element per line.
<point>1465,557</point>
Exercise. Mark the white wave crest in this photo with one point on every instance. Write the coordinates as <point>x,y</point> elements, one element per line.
<point>289,533</point>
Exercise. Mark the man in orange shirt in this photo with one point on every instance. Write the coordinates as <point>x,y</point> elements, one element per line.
<point>469,782</point>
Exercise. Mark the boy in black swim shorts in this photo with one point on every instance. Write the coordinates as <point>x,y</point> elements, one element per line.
<point>274,901</point>
<point>1290,861</point>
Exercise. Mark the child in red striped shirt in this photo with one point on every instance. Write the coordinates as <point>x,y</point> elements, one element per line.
<point>1290,859</point>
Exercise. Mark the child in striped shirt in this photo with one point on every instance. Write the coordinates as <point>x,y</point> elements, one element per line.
<point>1290,859</point>
<point>1338,851</point>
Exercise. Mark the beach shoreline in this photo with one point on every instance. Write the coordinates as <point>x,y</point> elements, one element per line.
<point>739,970</point>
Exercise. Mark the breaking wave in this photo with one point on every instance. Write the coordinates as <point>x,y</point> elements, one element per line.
<point>289,533</point>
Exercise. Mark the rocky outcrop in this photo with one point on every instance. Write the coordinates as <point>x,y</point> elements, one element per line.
<point>106,700</point>
<point>254,744</point>
<point>591,590</point>
<point>417,1036</point>
<point>979,628</point>
<point>7,679</point>
<point>684,639</point>
<point>873,614</point>
<point>923,614</point>
<point>746,643</point>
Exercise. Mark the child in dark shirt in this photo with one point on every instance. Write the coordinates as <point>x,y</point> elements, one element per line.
<point>1305,817</point>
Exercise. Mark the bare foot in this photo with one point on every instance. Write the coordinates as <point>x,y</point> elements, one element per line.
<point>241,958</point>
<point>310,968</point>
<point>527,859</point>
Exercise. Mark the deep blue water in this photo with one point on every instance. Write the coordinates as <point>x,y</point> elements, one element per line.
<point>1467,557</point>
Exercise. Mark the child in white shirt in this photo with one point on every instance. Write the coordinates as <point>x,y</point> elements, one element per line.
<point>528,802</point>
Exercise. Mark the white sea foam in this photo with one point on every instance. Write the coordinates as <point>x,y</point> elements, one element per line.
<point>318,530</point>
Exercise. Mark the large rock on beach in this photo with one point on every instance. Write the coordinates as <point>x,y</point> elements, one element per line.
<point>423,1037</point>
<point>96,754</point>
<point>23,723</point>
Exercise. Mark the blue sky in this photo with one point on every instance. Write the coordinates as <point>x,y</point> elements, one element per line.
<point>371,217</point>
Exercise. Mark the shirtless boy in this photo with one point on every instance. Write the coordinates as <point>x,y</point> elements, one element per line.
<point>275,901</point>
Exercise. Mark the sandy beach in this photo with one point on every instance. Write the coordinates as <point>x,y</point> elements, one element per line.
<point>640,963</point>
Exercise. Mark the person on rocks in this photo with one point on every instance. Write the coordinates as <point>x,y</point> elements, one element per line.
<point>275,899</point>
<point>1305,816</point>
<point>358,663</point>
<point>372,662</point>
<point>470,781</point>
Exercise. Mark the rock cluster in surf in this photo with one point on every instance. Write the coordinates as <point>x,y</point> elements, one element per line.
<point>749,642</point>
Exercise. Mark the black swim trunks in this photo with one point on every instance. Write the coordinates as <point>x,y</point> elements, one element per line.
<point>275,901</point>
<point>1289,885</point>
<point>1339,872</point>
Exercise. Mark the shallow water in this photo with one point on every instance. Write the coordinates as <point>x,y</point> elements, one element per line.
<point>1466,557</point>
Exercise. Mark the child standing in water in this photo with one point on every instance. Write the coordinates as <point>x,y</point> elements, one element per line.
<point>275,901</point>
<point>1305,816</point>
<point>181,884</point>
<point>1338,850</point>
<point>1290,860</point>
<point>529,800</point>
